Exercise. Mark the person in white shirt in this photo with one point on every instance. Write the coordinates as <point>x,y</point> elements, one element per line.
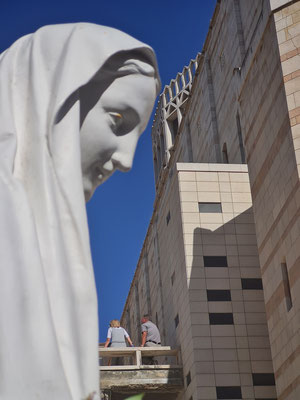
<point>116,335</point>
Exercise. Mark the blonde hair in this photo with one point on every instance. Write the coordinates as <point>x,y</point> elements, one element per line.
<point>114,323</point>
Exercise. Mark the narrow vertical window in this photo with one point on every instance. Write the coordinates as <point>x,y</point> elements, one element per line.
<point>168,217</point>
<point>225,154</point>
<point>286,285</point>
<point>173,278</point>
<point>176,320</point>
<point>240,137</point>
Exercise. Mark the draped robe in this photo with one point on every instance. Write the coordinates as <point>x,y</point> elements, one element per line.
<point>48,303</point>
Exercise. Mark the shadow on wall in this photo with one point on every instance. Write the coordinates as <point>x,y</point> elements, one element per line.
<point>229,326</point>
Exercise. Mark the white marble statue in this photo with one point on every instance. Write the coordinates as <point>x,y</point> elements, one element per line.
<point>74,100</point>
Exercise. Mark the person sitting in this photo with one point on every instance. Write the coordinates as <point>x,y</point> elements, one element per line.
<point>116,336</point>
<point>150,337</point>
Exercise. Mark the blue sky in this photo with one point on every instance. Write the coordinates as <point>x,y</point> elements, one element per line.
<point>121,208</point>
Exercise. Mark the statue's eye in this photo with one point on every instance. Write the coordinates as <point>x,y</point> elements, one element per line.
<point>116,119</point>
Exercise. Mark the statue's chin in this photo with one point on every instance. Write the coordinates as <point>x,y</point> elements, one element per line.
<point>87,195</point>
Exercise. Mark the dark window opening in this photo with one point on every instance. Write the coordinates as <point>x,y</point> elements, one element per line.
<point>221,318</point>
<point>287,287</point>
<point>252,284</point>
<point>173,278</point>
<point>210,207</point>
<point>188,379</point>
<point>215,261</point>
<point>168,217</point>
<point>225,154</point>
<point>218,295</point>
<point>229,392</point>
<point>263,379</point>
<point>240,137</point>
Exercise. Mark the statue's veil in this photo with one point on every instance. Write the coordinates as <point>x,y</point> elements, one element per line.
<point>48,305</point>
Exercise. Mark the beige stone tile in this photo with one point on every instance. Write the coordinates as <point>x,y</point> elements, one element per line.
<point>187,176</point>
<point>190,227</point>
<point>230,367</point>
<point>202,343</point>
<point>190,218</point>
<point>242,198</point>
<point>242,342</point>
<point>219,307</point>
<point>214,250</point>
<point>228,217</point>
<point>243,354</point>
<point>237,306</point>
<point>189,196</point>
<point>188,206</point>
<point>225,354</point>
<point>226,197</point>
<point>206,393</point>
<point>239,177</point>
<point>291,102</point>
<point>212,226</point>
<point>216,273</point>
<point>208,187</point>
<point>193,250</point>
<point>240,187</point>
<point>223,342</point>
<point>240,330</point>
<point>225,187</point>
<point>239,208</point>
<point>206,380</point>
<point>211,218</point>
<point>207,176</point>
<point>265,392</point>
<point>290,65</point>
<point>200,318</point>
<point>228,379</point>
<point>209,197</point>
<point>200,330</point>
<point>196,283</point>
<point>223,176</point>
<point>222,330</point>
<point>227,207</point>
<point>194,261</point>
<point>217,284</point>
<point>259,342</point>
<point>214,239</point>
<point>247,392</point>
<point>195,272</point>
<point>187,186</point>
<point>203,355</point>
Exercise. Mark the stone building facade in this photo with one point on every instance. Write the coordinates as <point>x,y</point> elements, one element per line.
<point>219,270</point>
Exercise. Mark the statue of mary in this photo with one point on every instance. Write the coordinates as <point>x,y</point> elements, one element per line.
<point>74,99</point>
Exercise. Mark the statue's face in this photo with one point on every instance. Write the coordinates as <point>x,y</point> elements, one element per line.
<point>110,131</point>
